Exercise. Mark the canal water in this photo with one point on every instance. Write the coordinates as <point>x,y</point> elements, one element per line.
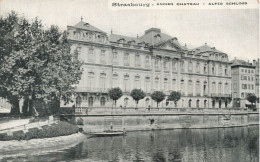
<point>238,144</point>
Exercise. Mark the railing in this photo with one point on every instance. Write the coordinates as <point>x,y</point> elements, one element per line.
<point>220,95</point>
<point>152,110</point>
<point>90,89</point>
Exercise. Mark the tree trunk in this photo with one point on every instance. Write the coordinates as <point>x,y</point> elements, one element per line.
<point>157,104</point>
<point>14,101</point>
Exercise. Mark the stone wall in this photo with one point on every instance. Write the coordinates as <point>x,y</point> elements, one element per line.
<point>99,123</point>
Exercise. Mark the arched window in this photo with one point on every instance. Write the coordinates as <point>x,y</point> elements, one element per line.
<point>190,103</point>
<point>198,103</point>
<point>102,101</point>
<point>226,103</point>
<point>213,103</point>
<point>78,101</point>
<point>147,102</point>
<point>182,65</point>
<point>90,101</point>
<point>126,102</point>
<point>205,103</point>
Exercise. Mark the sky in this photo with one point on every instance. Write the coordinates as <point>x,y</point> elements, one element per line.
<point>234,31</point>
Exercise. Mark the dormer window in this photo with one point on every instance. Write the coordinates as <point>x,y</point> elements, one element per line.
<point>157,38</point>
<point>86,24</point>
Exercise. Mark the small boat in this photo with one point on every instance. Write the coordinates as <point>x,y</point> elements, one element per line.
<point>108,133</point>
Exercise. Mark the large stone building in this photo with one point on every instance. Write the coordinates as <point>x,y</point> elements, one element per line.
<point>153,61</point>
<point>244,81</point>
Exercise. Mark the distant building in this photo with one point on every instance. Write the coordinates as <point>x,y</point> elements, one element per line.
<point>153,61</point>
<point>256,63</point>
<point>243,81</point>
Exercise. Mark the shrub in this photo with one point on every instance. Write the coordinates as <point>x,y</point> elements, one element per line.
<point>54,130</point>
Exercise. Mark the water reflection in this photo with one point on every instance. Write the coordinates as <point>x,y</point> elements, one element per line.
<point>239,144</point>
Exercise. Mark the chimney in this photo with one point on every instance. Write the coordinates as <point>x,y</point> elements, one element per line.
<point>205,43</point>
<point>137,36</point>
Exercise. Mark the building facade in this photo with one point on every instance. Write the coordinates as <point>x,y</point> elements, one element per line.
<point>244,81</point>
<point>153,61</point>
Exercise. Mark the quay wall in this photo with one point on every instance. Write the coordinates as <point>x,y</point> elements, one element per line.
<point>136,122</point>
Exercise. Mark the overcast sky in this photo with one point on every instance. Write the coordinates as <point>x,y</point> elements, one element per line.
<point>235,32</point>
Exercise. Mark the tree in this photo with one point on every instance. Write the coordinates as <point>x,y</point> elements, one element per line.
<point>251,98</point>
<point>115,94</point>
<point>174,96</point>
<point>35,63</point>
<point>137,94</point>
<point>158,96</point>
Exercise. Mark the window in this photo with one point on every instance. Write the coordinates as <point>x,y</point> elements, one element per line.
<point>126,59</point>
<point>115,80</point>
<point>157,62</point>
<point>220,88</point>
<point>190,88</point>
<point>190,67</point>
<point>252,71</point>
<point>235,86</point>
<point>156,83</point>
<point>102,81</point>
<point>182,87</point>
<point>205,69</point>
<point>166,84</point>
<point>126,102</point>
<point>182,66</point>
<point>226,73</point>
<point>220,70</point>
<point>205,88</point>
<point>174,65</point>
<point>248,78</point>
<point>91,80</point>
<point>166,64</point>
<point>174,85</point>
<point>198,67</point>
<point>103,57</point>
<point>205,103</point>
<point>91,55</point>
<point>198,103</point>
<point>213,87</point>
<point>213,69</point>
<point>126,84</point>
<point>147,84</point>
<point>198,88</point>
<point>115,58</point>
<point>242,70</point>
<point>190,103</point>
<point>147,61</point>
<point>78,101</point>
<point>137,60</point>
<point>79,50</point>
<point>90,101</point>
<point>102,101</point>
<point>137,82</point>
<point>245,70</point>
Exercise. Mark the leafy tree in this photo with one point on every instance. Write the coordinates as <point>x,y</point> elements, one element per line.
<point>115,94</point>
<point>35,63</point>
<point>158,96</point>
<point>174,96</point>
<point>251,98</point>
<point>137,94</point>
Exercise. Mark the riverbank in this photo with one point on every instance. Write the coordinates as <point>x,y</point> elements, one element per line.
<point>14,145</point>
<point>161,121</point>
